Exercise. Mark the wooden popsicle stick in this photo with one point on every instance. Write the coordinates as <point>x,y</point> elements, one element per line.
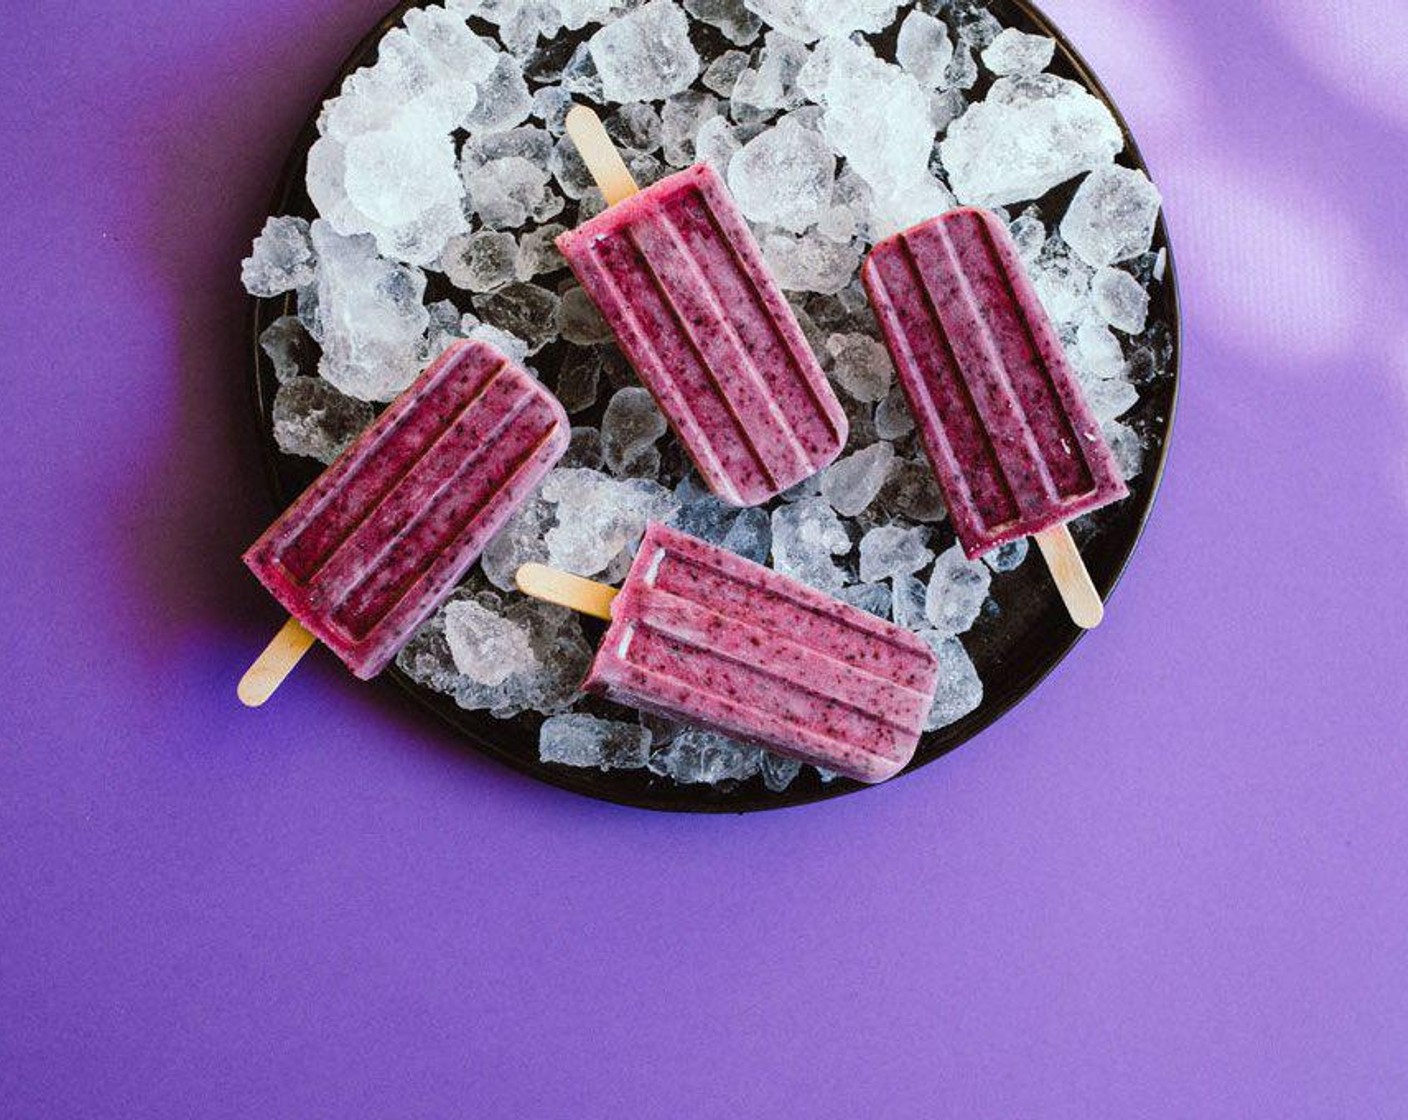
<point>585,596</point>
<point>600,155</point>
<point>263,678</point>
<point>1072,580</point>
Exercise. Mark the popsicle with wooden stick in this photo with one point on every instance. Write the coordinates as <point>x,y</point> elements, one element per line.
<point>381,538</point>
<point>676,272</point>
<point>700,635</point>
<point>999,410</point>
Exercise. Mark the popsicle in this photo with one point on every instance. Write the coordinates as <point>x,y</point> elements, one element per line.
<point>700,635</point>
<point>677,274</point>
<point>384,534</point>
<point>999,409</point>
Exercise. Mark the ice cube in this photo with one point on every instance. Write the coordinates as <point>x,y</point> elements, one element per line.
<point>805,537</point>
<point>578,380</point>
<point>480,262</point>
<point>1028,233</point>
<point>523,310</point>
<point>808,20</point>
<point>577,739</point>
<point>370,318</point>
<point>779,772</point>
<point>1098,352</point>
<point>584,450</point>
<point>924,49</point>
<point>1119,300</point>
<point>680,121</point>
<point>773,84</point>
<point>907,602</point>
<point>893,419</point>
<point>721,75</point>
<point>635,127</point>
<point>599,517</point>
<point>487,647</point>
<point>551,104</point>
<point>784,177</point>
<point>860,365</point>
<point>1127,446</point>
<point>1112,216</point>
<point>705,758</point>
<point>646,54</point>
<point>282,258</point>
<point>1015,52</point>
<point>732,17</point>
<point>312,418</point>
<point>578,320</point>
<point>960,688</point>
<point>1111,397</point>
<point>631,424</point>
<point>519,542</point>
<point>288,346</point>
<point>873,598</point>
<point>397,183</point>
<point>889,550</point>
<point>912,492</point>
<point>810,264</point>
<point>716,144</point>
<point>957,590</point>
<point>504,100</point>
<point>1030,134</point>
<point>750,535</point>
<point>537,252</point>
<point>1007,557</point>
<point>1062,282</point>
<point>700,513</point>
<point>852,483</point>
<point>506,192</point>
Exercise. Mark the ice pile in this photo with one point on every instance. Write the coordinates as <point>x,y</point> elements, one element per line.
<point>441,177</point>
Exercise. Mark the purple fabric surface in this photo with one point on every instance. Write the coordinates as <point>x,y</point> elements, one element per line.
<point>1171,884</point>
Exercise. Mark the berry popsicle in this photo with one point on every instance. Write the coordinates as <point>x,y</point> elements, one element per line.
<point>384,534</point>
<point>700,635</point>
<point>677,274</point>
<point>999,409</point>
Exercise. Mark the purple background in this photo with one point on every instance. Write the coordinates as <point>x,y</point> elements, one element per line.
<point>1172,884</point>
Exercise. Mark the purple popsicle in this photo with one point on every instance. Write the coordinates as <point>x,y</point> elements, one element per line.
<point>677,274</point>
<point>701,635</point>
<point>1000,411</point>
<point>384,534</point>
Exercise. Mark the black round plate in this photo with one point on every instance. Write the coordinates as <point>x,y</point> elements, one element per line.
<point>1012,652</point>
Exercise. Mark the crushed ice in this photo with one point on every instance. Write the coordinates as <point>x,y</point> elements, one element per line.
<point>442,169</point>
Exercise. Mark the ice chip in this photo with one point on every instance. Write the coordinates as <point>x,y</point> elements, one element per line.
<point>893,419</point>
<point>732,17</point>
<point>957,590</point>
<point>523,310</point>
<point>873,598</point>
<point>281,260</point>
<point>599,517</point>
<point>810,264</point>
<point>809,20</point>
<point>645,55</point>
<point>480,262</point>
<point>1128,447</point>
<point>860,365</point>
<point>288,347</point>
<point>783,177</point>
<point>519,542</point>
<point>578,320</point>
<point>806,535</point>
<point>1112,216</point>
<point>504,100</point>
<point>721,75</point>
<point>889,550</point>
<point>705,758</point>
<point>960,689</point>
<point>487,647</point>
<point>849,485</point>
<point>912,492</point>
<point>1015,52</point>
<point>313,419</point>
<point>924,49</point>
<point>907,602</point>
<point>577,739</point>
<point>631,425</point>
<point>680,121</point>
<point>537,252</point>
<point>779,772</point>
<point>1030,134</point>
<point>1119,300</point>
<point>750,535</point>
